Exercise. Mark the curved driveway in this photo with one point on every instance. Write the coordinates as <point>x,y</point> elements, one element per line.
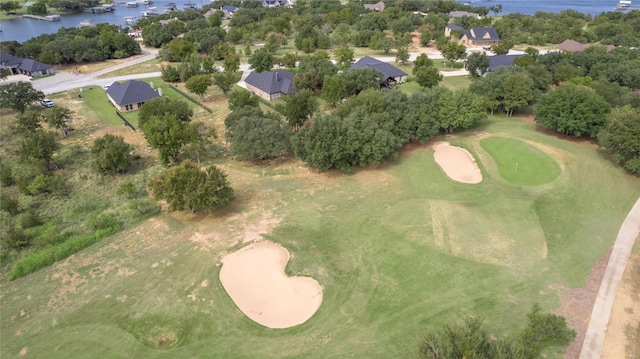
<point>594,338</point>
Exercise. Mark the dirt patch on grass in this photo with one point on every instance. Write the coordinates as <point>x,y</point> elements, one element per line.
<point>576,304</point>
<point>255,280</point>
<point>622,339</point>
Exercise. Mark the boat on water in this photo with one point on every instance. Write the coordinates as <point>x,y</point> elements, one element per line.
<point>85,23</point>
<point>130,20</point>
<point>152,11</point>
<point>145,2</point>
<point>622,5</point>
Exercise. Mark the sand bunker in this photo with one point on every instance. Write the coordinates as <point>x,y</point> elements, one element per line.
<point>457,163</point>
<point>255,280</point>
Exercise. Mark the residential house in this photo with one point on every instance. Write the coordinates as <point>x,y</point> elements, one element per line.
<point>476,36</point>
<point>270,85</point>
<point>168,21</point>
<point>274,3</point>
<point>574,46</point>
<point>131,95</point>
<point>379,6</point>
<point>501,61</point>
<point>390,73</point>
<point>454,14</point>
<point>8,61</point>
<point>27,67</point>
<point>230,9</point>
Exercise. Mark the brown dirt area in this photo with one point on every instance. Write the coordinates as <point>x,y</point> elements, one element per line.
<point>576,304</point>
<point>622,339</point>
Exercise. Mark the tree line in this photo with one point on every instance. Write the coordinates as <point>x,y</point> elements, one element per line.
<point>76,45</point>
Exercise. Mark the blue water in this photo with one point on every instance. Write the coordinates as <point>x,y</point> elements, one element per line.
<point>23,29</point>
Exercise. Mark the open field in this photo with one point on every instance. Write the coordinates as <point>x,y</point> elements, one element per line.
<point>399,250</point>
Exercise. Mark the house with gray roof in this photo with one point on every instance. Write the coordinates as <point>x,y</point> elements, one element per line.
<point>475,36</point>
<point>270,85</point>
<point>379,6</point>
<point>574,46</point>
<point>390,73</point>
<point>501,61</point>
<point>8,61</point>
<point>27,67</point>
<point>131,95</point>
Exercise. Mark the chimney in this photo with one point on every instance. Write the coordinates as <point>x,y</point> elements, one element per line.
<point>276,76</point>
<point>151,84</point>
<point>160,91</point>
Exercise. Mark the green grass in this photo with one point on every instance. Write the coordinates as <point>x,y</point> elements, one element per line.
<point>141,68</point>
<point>399,250</point>
<point>95,100</point>
<point>520,163</point>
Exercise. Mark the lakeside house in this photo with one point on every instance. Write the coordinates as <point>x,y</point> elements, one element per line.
<point>475,36</point>
<point>131,95</point>
<point>390,74</point>
<point>270,85</point>
<point>28,67</point>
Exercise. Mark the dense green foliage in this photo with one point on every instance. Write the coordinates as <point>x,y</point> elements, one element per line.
<point>187,186</point>
<point>76,45</point>
<point>258,138</point>
<point>371,127</point>
<point>472,340</point>
<point>111,154</point>
<point>572,110</point>
<point>18,95</point>
<point>198,85</point>
<point>621,137</point>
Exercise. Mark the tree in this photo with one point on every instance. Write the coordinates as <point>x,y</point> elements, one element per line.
<point>9,6</point>
<point>198,85</point>
<point>402,54</point>
<point>344,56</point>
<point>58,117</point>
<point>453,52</point>
<point>503,47</point>
<point>231,62</point>
<point>428,76</point>
<point>261,60</point>
<point>170,73</point>
<point>572,110</point>
<point>240,98</point>
<point>162,105</point>
<point>421,61</point>
<point>298,107</point>
<point>167,134</point>
<point>312,70</point>
<point>189,187</point>
<point>38,8</point>
<point>334,89</point>
<point>544,330</point>
<point>258,138</point>
<point>225,80</point>
<point>111,154</point>
<point>385,44</point>
<point>359,80</point>
<point>18,95</point>
<point>4,74</point>
<point>28,122</point>
<point>517,92</point>
<point>477,64</point>
<point>621,137</point>
<point>38,147</point>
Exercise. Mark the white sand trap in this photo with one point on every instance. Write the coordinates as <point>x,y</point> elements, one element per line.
<point>457,163</point>
<point>255,280</point>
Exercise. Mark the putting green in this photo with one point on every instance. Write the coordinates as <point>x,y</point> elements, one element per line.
<point>520,163</point>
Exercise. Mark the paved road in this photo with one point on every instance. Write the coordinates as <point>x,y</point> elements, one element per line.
<point>594,338</point>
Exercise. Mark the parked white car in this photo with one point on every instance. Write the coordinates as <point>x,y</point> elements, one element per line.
<point>47,103</point>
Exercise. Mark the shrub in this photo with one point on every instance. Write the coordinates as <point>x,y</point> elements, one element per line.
<point>111,154</point>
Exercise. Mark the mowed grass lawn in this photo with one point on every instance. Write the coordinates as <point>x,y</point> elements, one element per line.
<point>400,250</point>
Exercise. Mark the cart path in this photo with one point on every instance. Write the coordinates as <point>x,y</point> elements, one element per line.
<point>594,338</point>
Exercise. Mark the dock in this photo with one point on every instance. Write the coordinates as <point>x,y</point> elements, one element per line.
<point>51,18</point>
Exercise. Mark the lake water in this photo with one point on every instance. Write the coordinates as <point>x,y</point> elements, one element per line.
<point>23,29</point>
